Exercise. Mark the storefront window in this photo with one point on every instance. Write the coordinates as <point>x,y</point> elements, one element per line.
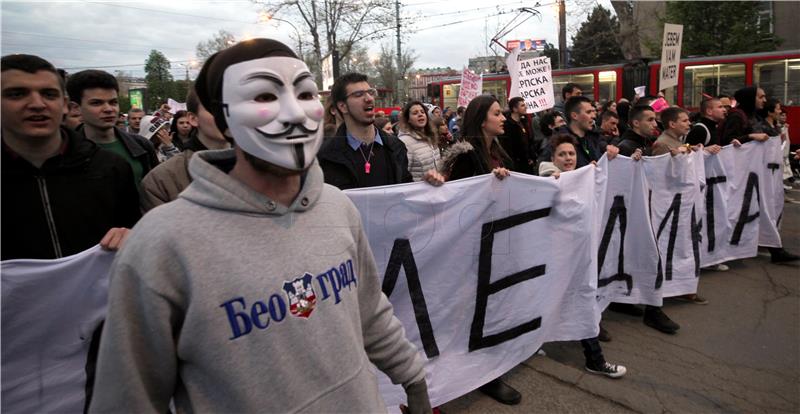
<point>711,80</point>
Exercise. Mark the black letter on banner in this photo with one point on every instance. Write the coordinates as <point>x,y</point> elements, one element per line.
<point>618,210</point>
<point>744,214</point>
<point>486,288</point>
<point>403,256</point>
<point>710,182</point>
<point>697,236</point>
<point>674,211</point>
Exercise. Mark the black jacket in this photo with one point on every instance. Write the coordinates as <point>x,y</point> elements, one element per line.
<point>630,141</point>
<point>338,163</point>
<point>69,204</point>
<point>698,134</point>
<point>138,147</point>
<point>516,142</point>
<point>590,148</point>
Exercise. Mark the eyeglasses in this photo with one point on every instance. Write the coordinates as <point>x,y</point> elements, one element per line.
<point>360,94</point>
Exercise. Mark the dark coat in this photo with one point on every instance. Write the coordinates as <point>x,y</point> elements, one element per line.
<point>462,161</point>
<point>630,141</point>
<point>698,134</point>
<point>68,204</point>
<point>138,147</point>
<point>516,142</point>
<point>338,163</point>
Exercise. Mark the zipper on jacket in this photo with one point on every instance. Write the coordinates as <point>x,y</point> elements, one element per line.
<point>48,213</point>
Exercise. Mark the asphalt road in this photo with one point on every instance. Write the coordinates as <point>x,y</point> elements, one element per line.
<point>738,354</point>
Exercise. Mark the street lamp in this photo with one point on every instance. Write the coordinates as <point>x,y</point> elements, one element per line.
<point>265,17</point>
<point>191,64</point>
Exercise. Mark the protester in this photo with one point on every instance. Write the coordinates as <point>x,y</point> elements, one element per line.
<point>639,136</point>
<point>623,109</point>
<point>270,195</point>
<point>568,91</point>
<point>444,137</point>
<point>515,139</point>
<point>726,102</point>
<point>704,131</point>
<point>384,125</point>
<point>63,194</point>
<point>420,139</point>
<point>156,130</point>
<point>168,179</point>
<point>360,155</point>
<point>134,119</point>
<point>480,153</point>
<point>96,93</point>
<point>73,118</point>
<point>771,114</point>
<point>181,129</point>
<point>609,106</point>
<point>676,121</point>
<point>455,122</point>
<point>609,126</point>
<point>580,124</point>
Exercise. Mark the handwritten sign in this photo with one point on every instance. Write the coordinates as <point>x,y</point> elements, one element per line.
<point>670,56</point>
<point>471,86</point>
<point>532,80</point>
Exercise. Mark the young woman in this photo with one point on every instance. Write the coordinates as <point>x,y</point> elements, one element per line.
<point>182,130</point>
<point>480,152</point>
<point>420,139</point>
<point>445,138</point>
<point>564,156</point>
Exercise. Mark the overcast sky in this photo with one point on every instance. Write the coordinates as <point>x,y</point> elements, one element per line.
<point>118,35</point>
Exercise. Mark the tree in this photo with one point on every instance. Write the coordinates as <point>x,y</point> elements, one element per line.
<point>386,67</point>
<point>552,52</point>
<point>158,78</point>
<point>341,25</point>
<point>712,28</point>
<point>222,40</point>
<point>596,40</point>
<point>358,61</point>
<point>628,34</point>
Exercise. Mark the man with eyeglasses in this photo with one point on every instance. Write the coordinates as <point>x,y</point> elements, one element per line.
<point>359,154</point>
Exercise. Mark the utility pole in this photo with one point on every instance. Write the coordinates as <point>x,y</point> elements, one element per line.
<point>562,34</point>
<point>399,53</point>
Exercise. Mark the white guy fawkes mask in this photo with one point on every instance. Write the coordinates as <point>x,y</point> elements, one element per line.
<point>273,112</point>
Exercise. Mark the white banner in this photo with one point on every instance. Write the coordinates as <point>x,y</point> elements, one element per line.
<point>175,106</point>
<point>480,272</point>
<point>670,56</point>
<point>771,183</point>
<point>471,86</point>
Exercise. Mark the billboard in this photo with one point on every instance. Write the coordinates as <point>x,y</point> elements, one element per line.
<point>527,44</point>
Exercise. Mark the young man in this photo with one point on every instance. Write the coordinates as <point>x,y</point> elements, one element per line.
<point>259,292</point>
<point>134,119</point>
<point>704,132</point>
<point>580,124</point>
<point>361,155</point>
<point>639,137</point>
<point>609,126</point>
<point>61,193</point>
<point>516,137</point>
<point>568,91</point>
<point>168,179</point>
<point>96,93</point>
<point>676,126</point>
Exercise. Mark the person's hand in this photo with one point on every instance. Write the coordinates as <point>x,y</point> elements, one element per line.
<point>678,150</point>
<point>556,174</point>
<point>611,152</point>
<point>797,154</point>
<point>115,238</point>
<point>164,136</point>
<point>433,178</point>
<point>500,173</point>
<point>713,149</point>
<point>759,136</point>
<point>736,143</point>
<point>417,398</point>
<point>698,147</point>
<point>637,155</point>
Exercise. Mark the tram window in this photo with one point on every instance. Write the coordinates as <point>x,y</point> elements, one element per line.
<point>780,79</point>
<point>496,88</point>
<point>451,94</point>
<point>586,82</point>
<point>608,86</point>
<point>711,80</point>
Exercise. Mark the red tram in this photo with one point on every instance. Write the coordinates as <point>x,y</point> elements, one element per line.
<point>778,73</point>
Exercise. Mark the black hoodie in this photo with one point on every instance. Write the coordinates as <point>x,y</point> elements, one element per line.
<point>740,122</point>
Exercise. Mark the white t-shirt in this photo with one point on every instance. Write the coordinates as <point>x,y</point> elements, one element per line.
<point>50,310</point>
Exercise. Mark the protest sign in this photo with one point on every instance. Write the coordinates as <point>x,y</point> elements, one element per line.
<point>532,80</point>
<point>327,73</point>
<point>175,106</point>
<point>471,86</point>
<point>670,56</point>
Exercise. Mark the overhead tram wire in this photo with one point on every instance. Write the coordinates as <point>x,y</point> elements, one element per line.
<point>150,45</point>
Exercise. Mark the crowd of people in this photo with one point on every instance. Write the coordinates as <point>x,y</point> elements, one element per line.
<point>73,176</point>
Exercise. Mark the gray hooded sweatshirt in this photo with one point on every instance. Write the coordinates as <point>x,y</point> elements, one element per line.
<point>230,302</point>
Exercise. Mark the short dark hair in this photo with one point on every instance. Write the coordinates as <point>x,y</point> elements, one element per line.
<point>460,110</point>
<point>30,64</point>
<point>513,102</point>
<point>771,104</point>
<point>562,138</point>
<point>647,100</point>
<point>671,114</point>
<point>705,104</point>
<point>568,88</point>
<point>339,88</point>
<point>608,114</point>
<point>549,118</point>
<point>573,104</point>
<point>637,112</point>
<point>89,79</point>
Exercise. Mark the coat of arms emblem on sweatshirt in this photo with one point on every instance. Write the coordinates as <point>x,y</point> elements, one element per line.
<point>300,292</point>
